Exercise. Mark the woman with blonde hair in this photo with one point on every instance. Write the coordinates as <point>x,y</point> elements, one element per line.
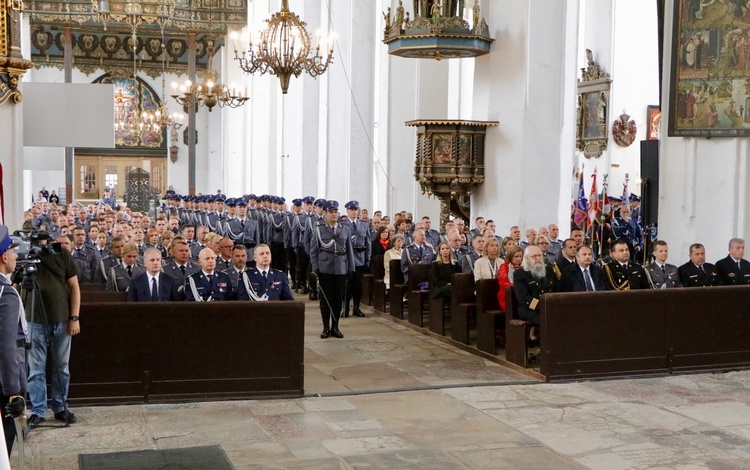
<point>442,271</point>
<point>488,266</point>
<point>397,243</point>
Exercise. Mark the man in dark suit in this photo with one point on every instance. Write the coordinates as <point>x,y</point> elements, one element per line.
<point>621,273</point>
<point>696,272</point>
<point>13,330</point>
<point>153,285</point>
<point>583,276</point>
<point>734,270</point>
<point>208,284</point>
<point>263,283</point>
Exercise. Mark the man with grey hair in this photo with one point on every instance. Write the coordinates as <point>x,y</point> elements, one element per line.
<point>417,253</point>
<point>542,241</point>
<point>530,281</point>
<point>734,270</point>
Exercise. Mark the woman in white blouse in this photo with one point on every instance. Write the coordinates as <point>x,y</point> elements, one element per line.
<point>397,241</point>
<point>487,266</point>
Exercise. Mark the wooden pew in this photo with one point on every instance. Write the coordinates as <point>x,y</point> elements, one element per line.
<point>418,273</point>
<point>488,311</point>
<point>463,306</point>
<point>368,285</point>
<point>398,289</point>
<point>92,296</point>
<point>187,351</point>
<point>92,287</point>
<point>516,331</point>
<point>378,275</point>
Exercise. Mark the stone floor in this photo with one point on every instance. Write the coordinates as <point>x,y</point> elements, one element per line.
<point>392,398</point>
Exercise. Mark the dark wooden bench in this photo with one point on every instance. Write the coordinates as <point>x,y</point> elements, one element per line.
<point>93,296</point>
<point>378,275</point>
<point>368,282</point>
<point>187,351</point>
<point>488,314</point>
<point>418,273</point>
<point>92,287</point>
<point>398,289</point>
<point>516,331</point>
<point>463,306</point>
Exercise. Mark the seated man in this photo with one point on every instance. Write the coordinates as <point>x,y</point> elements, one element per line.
<point>663,275</point>
<point>239,265</point>
<point>734,270</point>
<point>583,276</point>
<point>153,285</point>
<point>263,283</point>
<point>475,252</point>
<point>696,272</point>
<point>621,273</point>
<point>121,275</point>
<point>416,253</point>
<point>208,284</point>
<point>530,282</point>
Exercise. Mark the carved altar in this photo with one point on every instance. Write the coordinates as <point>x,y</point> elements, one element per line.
<point>450,162</point>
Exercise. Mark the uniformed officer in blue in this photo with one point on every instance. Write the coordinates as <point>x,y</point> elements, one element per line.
<point>312,222</point>
<point>362,246</point>
<point>418,252</point>
<point>300,229</point>
<point>277,233</point>
<point>13,331</point>
<point>208,284</point>
<point>332,259</point>
<point>243,230</point>
<point>263,283</point>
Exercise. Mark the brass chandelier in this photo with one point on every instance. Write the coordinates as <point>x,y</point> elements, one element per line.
<point>210,92</point>
<point>284,49</point>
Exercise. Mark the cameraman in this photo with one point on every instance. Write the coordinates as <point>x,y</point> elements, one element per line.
<point>12,337</point>
<point>56,315</point>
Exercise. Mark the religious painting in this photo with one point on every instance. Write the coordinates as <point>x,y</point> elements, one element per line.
<point>464,150</point>
<point>592,130</point>
<point>653,115</point>
<point>710,90</point>
<point>442,149</point>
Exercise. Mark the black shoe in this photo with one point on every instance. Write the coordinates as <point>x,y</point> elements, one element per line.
<point>336,333</point>
<point>358,313</point>
<point>314,296</point>
<point>325,334</point>
<point>34,421</point>
<point>66,417</point>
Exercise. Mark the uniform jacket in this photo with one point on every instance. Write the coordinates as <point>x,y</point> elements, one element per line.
<point>174,270</point>
<point>432,237</point>
<point>628,277</point>
<point>467,261</point>
<point>331,251</point>
<point>12,368</point>
<point>118,279</point>
<point>244,231</point>
<point>278,229</point>
<point>411,255</point>
<point>662,280</point>
<point>234,276</point>
<point>195,249</point>
<point>361,242</point>
<point>90,257</point>
<point>274,287</point>
<point>219,288</point>
<point>528,289</point>
<point>140,290</point>
<point>731,274</point>
<point>693,276</point>
<point>105,265</point>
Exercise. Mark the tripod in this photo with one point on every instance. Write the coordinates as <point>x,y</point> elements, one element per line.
<point>30,287</point>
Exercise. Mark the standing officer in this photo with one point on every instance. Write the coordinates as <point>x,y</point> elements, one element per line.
<point>332,259</point>
<point>361,245</point>
<point>263,283</point>
<point>277,234</point>
<point>13,331</point>
<point>300,230</point>
<point>312,222</point>
<point>244,230</point>
<point>291,243</point>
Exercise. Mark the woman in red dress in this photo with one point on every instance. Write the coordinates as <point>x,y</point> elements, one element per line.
<point>513,260</point>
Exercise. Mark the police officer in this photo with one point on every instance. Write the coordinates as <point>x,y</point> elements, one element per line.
<point>362,246</point>
<point>121,274</point>
<point>662,274</point>
<point>417,253</point>
<point>13,331</point>
<point>300,229</point>
<point>291,244</point>
<point>208,284</point>
<point>244,230</point>
<point>263,283</point>
<point>312,222</point>
<point>181,266</point>
<point>332,259</point>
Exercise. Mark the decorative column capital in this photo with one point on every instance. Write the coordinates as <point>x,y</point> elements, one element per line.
<point>12,64</point>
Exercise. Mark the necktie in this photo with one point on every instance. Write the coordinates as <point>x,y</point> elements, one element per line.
<point>664,270</point>
<point>79,251</point>
<point>182,268</point>
<point>101,253</point>
<point>702,270</point>
<point>242,224</point>
<point>154,291</point>
<point>211,279</point>
<point>130,271</point>
<point>421,252</point>
<point>739,265</point>
<point>587,280</point>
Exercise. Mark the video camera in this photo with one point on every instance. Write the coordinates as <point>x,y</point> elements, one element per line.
<point>32,245</point>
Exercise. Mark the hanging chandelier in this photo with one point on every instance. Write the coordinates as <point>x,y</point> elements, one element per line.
<point>284,49</point>
<point>210,92</point>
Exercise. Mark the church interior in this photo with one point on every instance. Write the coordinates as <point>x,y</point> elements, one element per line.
<point>522,113</point>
